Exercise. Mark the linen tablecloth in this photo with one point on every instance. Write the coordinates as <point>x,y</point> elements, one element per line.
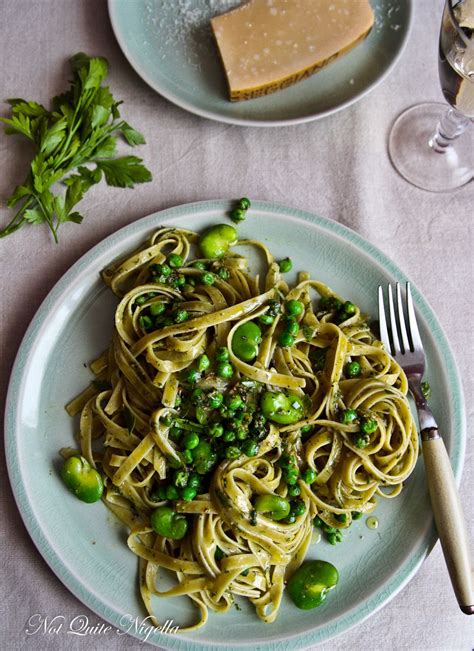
<point>337,167</point>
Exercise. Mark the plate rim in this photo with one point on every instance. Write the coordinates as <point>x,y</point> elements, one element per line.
<point>249,122</point>
<point>27,347</point>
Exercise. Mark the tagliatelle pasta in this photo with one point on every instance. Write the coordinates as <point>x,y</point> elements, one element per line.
<point>150,421</point>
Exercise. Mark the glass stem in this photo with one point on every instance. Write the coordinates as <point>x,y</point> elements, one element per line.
<point>451,125</point>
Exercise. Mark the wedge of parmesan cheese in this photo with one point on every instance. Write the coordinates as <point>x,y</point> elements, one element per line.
<point>267,45</point>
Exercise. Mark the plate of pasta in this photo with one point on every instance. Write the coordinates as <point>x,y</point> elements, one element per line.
<point>242,446</point>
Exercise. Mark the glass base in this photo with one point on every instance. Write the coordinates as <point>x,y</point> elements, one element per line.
<point>414,157</point>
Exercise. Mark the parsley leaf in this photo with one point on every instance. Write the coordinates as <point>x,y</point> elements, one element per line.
<point>124,172</point>
<point>75,145</point>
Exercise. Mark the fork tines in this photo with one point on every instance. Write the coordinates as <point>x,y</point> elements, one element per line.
<point>395,335</point>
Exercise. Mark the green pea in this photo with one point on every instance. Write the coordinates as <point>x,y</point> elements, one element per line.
<point>232,452</point>
<point>219,554</point>
<point>157,308</point>
<point>349,308</point>
<point>285,265</point>
<point>194,480</point>
<point>369,425</point>
<point>203,363</point>
<point>215,399</point>
<point>250,448</point>
<point>348,416</point>
<point>169,524</point>
<point>175,260</point>
<point>237,215</point>
<point>199,265</point>
<point>266,319</point>
<point>308,476</point>
<point>334,537</point>
<point>145,322</point>
<point>361,440</point>
<point>141,299</point>
<point>161,270</point>
<point>180,315</point>
<point>297,507</point>
<point>282,408</point>
<point>341,517</point>
<point>186,456</point>
<point>193,376</point>
<point>246,340</point>
<point>215,242</point>
<point>290,519</point>
<point>291,326</point>
<point>353,369</point>
<point>291,477</point>
<point>204,457</point>
<point>306,429</point>
<point>244,203</point>
<point>229,436</point>
<point>310,584</point>
<point>82,479</point>
<point>207,279</point>
<point>172,493</point>
<point>357,515</point>
<point>175,433</point>
<point>242,434</point>
<point>234,402</point>
<point>294,491</point>
<point>285,340</point>
<point>216,430</point>
<point>188,494</point>
<point>222,355</point>
<point>274,506</point>
<point>318,522</point>
<point>223,273</point>
<point>294,308</point>
<point>224,370</point>
<point>191,441</point>
<point>286,461</point>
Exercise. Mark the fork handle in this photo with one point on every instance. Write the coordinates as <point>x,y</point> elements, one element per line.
<point>449,518</point>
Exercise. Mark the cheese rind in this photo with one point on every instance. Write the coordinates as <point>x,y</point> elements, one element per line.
<point>267,45</point>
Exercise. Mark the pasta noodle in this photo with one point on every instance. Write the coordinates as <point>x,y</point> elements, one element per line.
<point>142,401</point>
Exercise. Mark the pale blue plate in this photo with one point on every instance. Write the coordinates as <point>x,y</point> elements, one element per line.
<point>85,546</point>
<point>170,45</point>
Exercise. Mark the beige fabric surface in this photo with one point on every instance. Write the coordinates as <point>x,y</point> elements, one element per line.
<point>337,167</point>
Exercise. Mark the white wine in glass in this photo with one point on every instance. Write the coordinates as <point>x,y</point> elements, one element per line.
<point>431,145</point>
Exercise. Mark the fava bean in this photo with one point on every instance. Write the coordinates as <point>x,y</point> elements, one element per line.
<point>82,479</point>
<point>215,242</point>
<point>169,524</point>
<point>310,584</point>
<point>282,408</point>
<point>274,506</point>
<point>246,340</point>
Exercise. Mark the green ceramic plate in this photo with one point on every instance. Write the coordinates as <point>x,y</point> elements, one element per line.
<point>85,546</point>
<point>170,45</point>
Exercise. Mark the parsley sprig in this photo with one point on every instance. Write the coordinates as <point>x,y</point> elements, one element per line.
<point>75,145</point>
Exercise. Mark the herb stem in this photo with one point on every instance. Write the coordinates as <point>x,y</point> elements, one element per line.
<point>12,226</point>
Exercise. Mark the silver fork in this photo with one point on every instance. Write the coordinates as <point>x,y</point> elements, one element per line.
<point>402,340</point>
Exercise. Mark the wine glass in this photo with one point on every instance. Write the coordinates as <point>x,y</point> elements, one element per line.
<point>441,158</point>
